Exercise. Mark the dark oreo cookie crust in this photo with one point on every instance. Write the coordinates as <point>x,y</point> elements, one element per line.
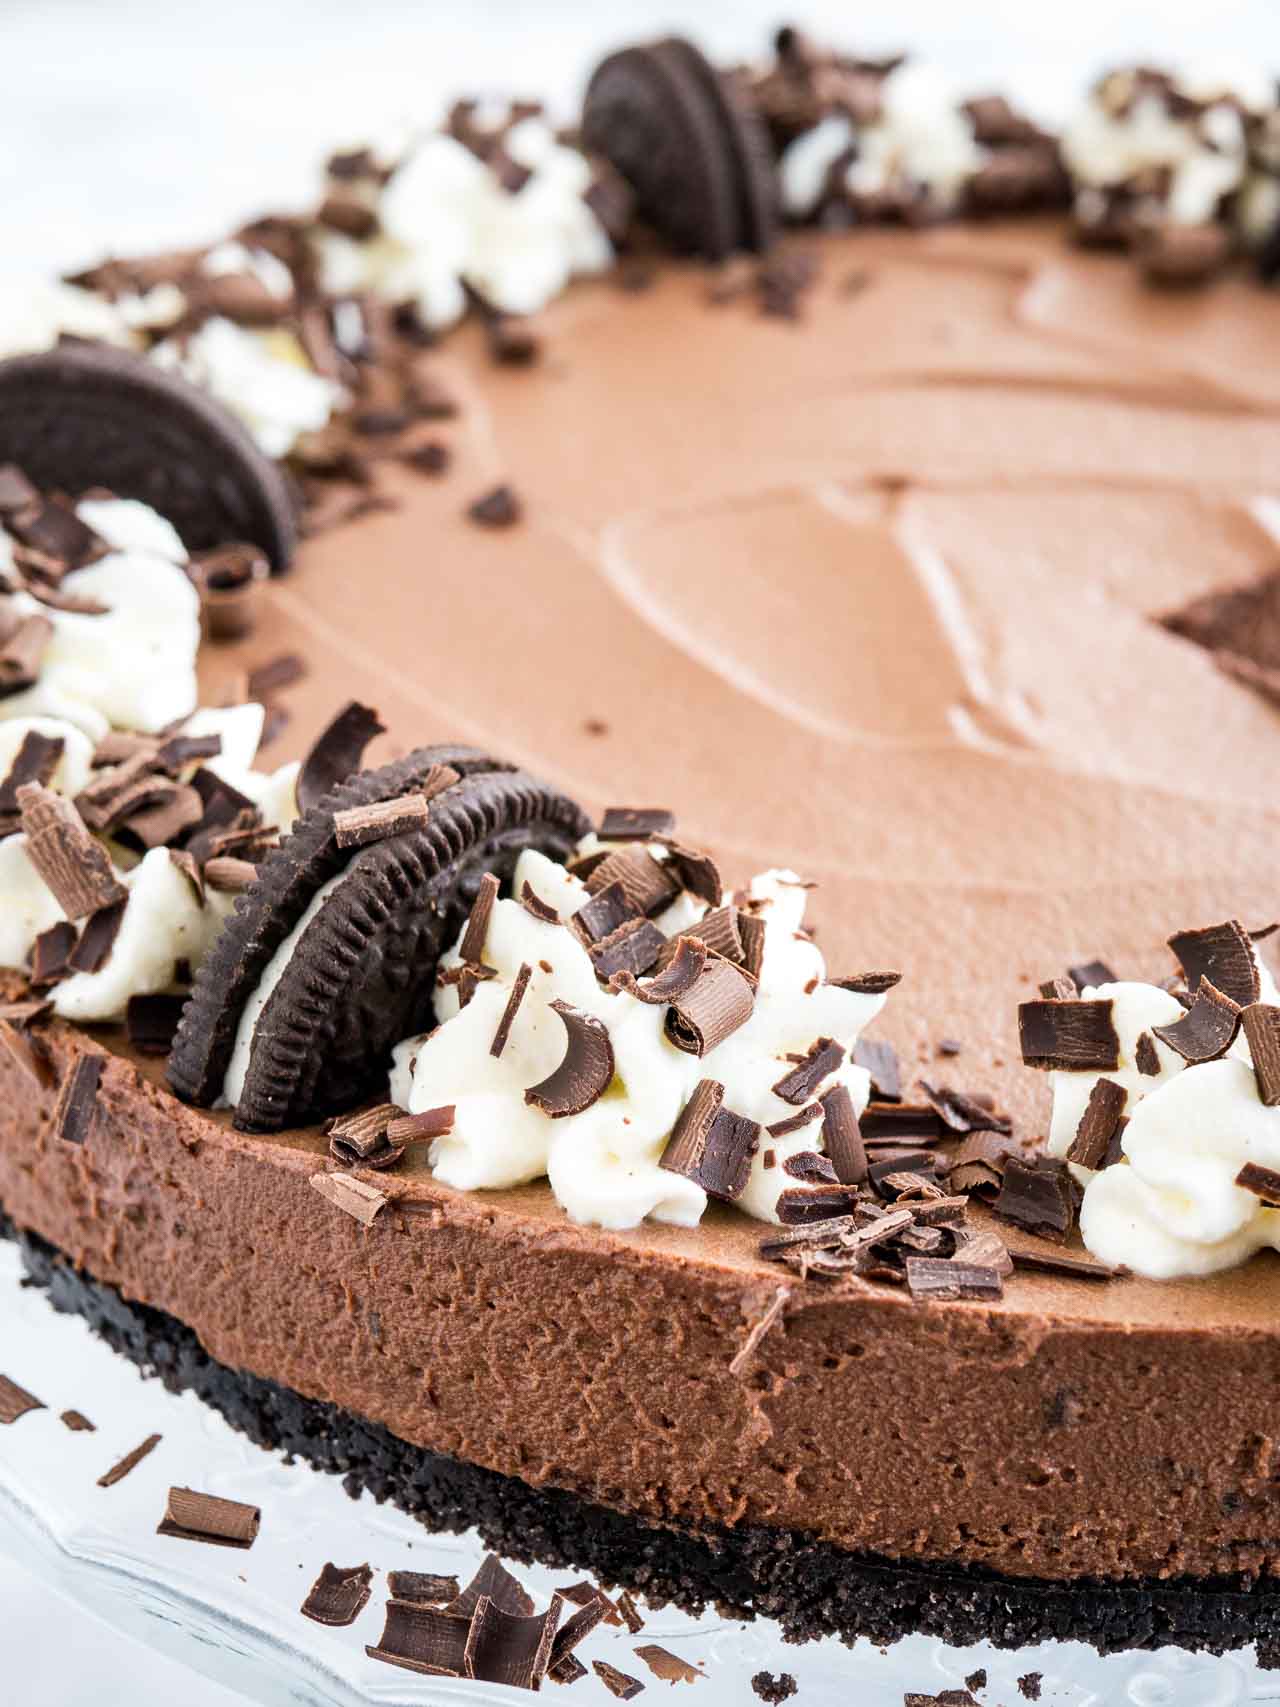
<point>811,1589</point>
<point>85,415</point>
<point>360,978</point>
<point>653,120</point>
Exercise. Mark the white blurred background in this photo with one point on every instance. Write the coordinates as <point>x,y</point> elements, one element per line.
<point>128,124</point>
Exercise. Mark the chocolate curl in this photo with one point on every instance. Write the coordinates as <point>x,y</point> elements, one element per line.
<point>586,1072</point>
<point>676,980</point>
<point>712,1009</point>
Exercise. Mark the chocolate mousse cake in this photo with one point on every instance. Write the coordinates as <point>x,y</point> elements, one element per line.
<point>881,504</point>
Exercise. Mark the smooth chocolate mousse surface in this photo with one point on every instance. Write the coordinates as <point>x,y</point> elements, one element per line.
<point>870,595</point>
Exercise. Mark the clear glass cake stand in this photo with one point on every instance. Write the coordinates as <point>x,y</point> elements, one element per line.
<point>234,1617</point>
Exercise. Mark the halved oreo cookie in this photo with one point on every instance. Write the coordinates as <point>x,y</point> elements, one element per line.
<point>689,146</point>
<point>360,976</point>
<point>85,415</point>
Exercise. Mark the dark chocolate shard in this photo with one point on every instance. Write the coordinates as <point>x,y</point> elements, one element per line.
<point>752,930</point>
<point>194,1516</point>
<point>51,954</point>
<point>23,642</point>
<point>361,1140</point>
<point>880,1061</point>
<point>129,1462</point>
<point>951,1278</point>
<point>1146,1057</point>
<point>151,1022</point>
<point>842,1136</point>
<point>355,1197</point>
<point>630,1612</point>
<point>697,872</point>
<point>518,988</point>
<point>964,1113</point>
<point>36,760</point>
<point>474,937</point>
<point>1224,955</point>
<point>426,1124</point>
<point>78,1100</point>
<point>358,826</point>
<point>338,1595</point>
<point>604,912</point>
<point>586,1071</point>
<point>424,1586</point>
<point>799,1206</point>
<point>508,1648</point>
<point>1262,1182</point>
<point>568,1669</point>
<point>228,875</point>
<point>96,940</point>
<point>719,930</point>
<point>719,1001</point>
<point>897,1122</point>
<point>1059,1262</point>
<point>1208,1028</point>
<point>336,753</point>
<point>868,983</point>
<point>1261,1024</point>
<point>620,1684</point>
<point>795,1122</point>
<point>1038,1196</point>
<point>636,823</point>
<point>75,868</point>
<point>892,1173</point>
<point>15,1401</point>
<point>821,1059</point>
<point>574,1630</point>
<point>273,675</point>
<point>646,882</point>
<point>499,507</point>
<point>1097,1126</point>
<point>668,1667</point>
<point>536,907</point>
<point>1071,1036</point>
<point>976,1166</point>
<point>1090,974</point>
<point>711,1145</point>
<point>628,951</point>
<point>423,1639</point>
<point>676,979</point>
<point>77,1422</point>
<point>492,1581</point>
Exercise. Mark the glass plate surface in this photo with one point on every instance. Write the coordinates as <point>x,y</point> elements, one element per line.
<point>234,1615</point>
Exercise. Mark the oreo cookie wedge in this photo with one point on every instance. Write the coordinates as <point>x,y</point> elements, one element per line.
<point>657,125</point>
<point>333,951</point>
<point>747,141</point>
<point>84,415</point>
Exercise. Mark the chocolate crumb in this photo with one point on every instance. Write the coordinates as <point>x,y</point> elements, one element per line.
<point>950,1278</point>
<point>497,508</point>
<point>338,1595</point>
<point>976,1679</point>
<point>130,1461</point>
<point>774,1690</point>
<point>193,1516</point>
<point>77,1422</point>
<point>1029,1685</point>
<point>429,458</point>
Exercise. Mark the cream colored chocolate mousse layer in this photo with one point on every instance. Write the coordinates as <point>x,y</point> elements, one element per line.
<point>867,594</point>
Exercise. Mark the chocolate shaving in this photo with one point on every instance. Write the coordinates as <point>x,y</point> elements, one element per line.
<point>229,875</point>
<point>628,951</point>
<point>536,907</point>
<point>360,1140</point>
<point>1145,1055</point>
<point>22,648</point>
<point>359,826</point>
<point>586,1071</point>
<point>1059,990</point>
<point>336,753</point>
<point>802,1205</point>
<point>964,1113</point>
<point>423,1586</point>
<point>569,1669</point>
<point>716,1004</point>
<point>675,980</point>
<point>78,1099</point>
<point>471,948</point>
<point>193,1516</point>
<point>1262,1182</point>
<point>900,1172</point>
<point>1223,955</point>
<point>718,929</point>
<point>175,809</point>
<point>77,1422</point>
<point>647,884</point>
<point>1038,1196</point>
<point>509,1013</point>
<point>842,1136</point>
<point>189,867</point>
<point>711,1145</point>
<point>492,1581</point>
<point>74,867</point>
<point>669,1667</point>
<point>15,1401</point>
<point>1068,1035</point>
<point>880,1060</point>
<point>697,872</point>
<point>1207,1030</point>
<point>97,939</point>
<point>636,823</point>
<point>423,1639</point>
<point>151,1021</point>
<point>1091,974</point>
<point>497,508</point>
<point>267,679</point>
<point>1261,1025</point>
<point>943,1278</point>
<point>338,1595</point>
<point>575,1630</point>
<point>507,1648</point>
<point>868,983</point>
<point>630,1613</point>
<point>179,751</point>
<point>1097,1126</point>
<point>51,953</point>
<point>759,1328</point>
<point>821,1059</point>
<point>130,1461</point>
<point>603,913</point>
<point>25,1013</point>
<point>36,760</point>
<point>428,1123</point>
<point>620,1684</point>
<point>794,1122</point>
<point>977,1165</point>
<point>355,1197</point>
<point>892,1122</point>
<point>752,931</point>
<point>987,1249</point>
<point>1058,1262</point>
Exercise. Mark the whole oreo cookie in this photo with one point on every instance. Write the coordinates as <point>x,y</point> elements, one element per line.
<point>360,976</point>
<point>85,415</point>
<point>665,119</point>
